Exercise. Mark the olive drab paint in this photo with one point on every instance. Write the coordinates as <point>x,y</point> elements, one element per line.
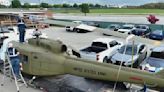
<point>45,57</point>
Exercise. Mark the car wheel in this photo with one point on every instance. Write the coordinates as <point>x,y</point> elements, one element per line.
<point>74,29</point>
<point>129,33</point>
<point>105,60</point>
<point>78,30</point>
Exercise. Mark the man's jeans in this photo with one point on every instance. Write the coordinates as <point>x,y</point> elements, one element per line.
<point>15,64</point>
<point>21,36</point>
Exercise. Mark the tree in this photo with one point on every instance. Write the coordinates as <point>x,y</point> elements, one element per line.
<point>75,5</point>
<point>85,8</point>
<point>26,5</point>
<point>15,4</point>
<point>57,6</point>
<point>66,6</point>
<point>44,5</point>
<point>97,6</point>
<point>91,5</point>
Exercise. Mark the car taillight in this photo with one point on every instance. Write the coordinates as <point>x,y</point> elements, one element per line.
<point>97,57</point>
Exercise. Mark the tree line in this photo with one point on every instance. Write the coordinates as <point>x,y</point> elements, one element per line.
<point>17,4</point>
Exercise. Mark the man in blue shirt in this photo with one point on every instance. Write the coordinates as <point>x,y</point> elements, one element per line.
<point>22,29</point>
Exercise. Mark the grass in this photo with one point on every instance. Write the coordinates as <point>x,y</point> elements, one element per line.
<point>114,11</point>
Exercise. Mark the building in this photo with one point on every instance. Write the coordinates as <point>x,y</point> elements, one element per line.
<point>5,2</point>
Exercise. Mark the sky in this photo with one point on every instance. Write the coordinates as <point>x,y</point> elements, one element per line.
<point>111,2</point>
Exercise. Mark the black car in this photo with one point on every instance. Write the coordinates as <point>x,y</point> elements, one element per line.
<point>157,35</point>
<point>141,30</point>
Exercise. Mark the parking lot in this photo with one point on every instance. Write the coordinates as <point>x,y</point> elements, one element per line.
<point>80,40</point>
<point>77,41</point>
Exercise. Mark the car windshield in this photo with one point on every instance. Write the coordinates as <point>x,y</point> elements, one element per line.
<point>127,27</point>
<point>112,26</point>
<point>157,32</point>
<point>141,27</point>
<point>157,55</point>
<point>129,50</point>
<point>99,44</point>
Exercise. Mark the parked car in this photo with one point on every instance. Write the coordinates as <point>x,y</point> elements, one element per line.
<point>71,28</point>
<point>100,50</point>
<point>141,30</point>
<point>157,35</point>
<point>139,54</point>
<point>90,23</point>
<point>77,22</point>
<point>127,28</point>
<point>113,27</point>
<point>155,62</point>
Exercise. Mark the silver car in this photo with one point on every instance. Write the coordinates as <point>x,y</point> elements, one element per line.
<point>139,53</point>
<point>155,62</point>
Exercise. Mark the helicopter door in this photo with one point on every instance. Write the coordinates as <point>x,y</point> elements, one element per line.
<point>24,58</point>
<point>35,63</point>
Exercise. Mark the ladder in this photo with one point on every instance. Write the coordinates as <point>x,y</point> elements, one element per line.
<point>9,72</point>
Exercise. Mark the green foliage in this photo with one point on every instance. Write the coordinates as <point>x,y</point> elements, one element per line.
<point>66,6</point>
<point>84,8</point>
<point>118,11</point>
<point>75,5</point>
<point>34,6</point>
<point>15,4</point>
<point>97,5</point>
<point>57,6</point>
<point>153,6</point>
<point>44,5</point>
<point>26,5</point>
<point>91,5</point>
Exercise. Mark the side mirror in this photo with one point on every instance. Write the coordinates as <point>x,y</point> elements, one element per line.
<point>141,52</point>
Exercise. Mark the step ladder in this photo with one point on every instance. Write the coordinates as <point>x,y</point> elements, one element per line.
<point>9,72</point>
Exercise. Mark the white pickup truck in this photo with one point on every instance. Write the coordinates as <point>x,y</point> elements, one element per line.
<point>100,50</point>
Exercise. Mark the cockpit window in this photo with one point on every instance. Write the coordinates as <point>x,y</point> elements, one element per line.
<point>24,59</point>
<point>157,55</point>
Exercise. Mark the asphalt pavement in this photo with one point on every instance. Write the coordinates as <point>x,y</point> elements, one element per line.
<point>139,19</point>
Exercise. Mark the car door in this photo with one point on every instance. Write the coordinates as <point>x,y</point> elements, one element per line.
<point>114,45</point>
<point>142,53</point>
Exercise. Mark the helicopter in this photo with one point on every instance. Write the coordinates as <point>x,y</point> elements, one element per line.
<point>152,19</point>
<point>46,57</point>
